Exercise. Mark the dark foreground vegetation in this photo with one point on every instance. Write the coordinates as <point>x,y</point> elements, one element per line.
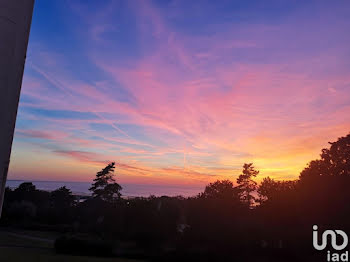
<point>271,221</point>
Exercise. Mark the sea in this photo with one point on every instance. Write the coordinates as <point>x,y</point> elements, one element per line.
<point>129,190</point>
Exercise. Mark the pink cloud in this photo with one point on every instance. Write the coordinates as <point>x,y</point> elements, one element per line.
<point>50,135</point>
<point>81,156</point>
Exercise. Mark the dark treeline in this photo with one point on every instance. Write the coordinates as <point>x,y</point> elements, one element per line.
<point>271,221</point>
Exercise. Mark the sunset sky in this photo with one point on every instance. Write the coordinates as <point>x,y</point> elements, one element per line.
<point>181,92</point>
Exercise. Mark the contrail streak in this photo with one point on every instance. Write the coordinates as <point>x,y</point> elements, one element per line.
<point>62,87</point>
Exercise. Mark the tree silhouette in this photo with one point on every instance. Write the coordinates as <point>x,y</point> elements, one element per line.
<point>220,190</point>
<point>246,184</point>
<point>270,189</point>
<point>267,189</point>
<point>104,186</point>
<point>326,180</point>
<point>26,187</point>
<point>62,198</point>
<point>334,161</point>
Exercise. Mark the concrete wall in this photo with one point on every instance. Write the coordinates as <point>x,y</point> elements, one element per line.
<point>15,20</point>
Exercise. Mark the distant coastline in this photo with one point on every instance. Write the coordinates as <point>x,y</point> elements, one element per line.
<point>129,190</point>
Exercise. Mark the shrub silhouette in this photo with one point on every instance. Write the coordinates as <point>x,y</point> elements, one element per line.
<point>82,245</point>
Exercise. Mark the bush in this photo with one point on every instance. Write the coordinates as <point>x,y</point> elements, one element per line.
<point>23,209</point>
<point>85,246</point>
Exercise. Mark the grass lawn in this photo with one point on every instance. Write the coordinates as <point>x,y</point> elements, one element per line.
<point>14,239</point>
<point>15,248</point>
